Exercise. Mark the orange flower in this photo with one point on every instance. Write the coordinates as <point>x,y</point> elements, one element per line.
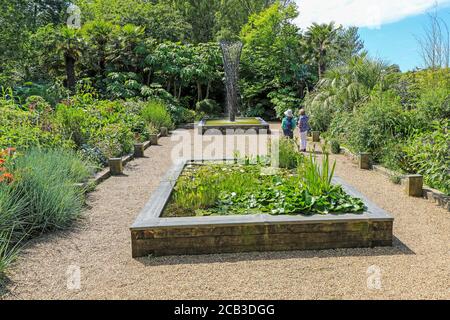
<point>8,177</point>
<point>2,161</point>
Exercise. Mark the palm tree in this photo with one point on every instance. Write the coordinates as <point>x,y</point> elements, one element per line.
<point>348,86</point>
<point>70,45</point>
<point>98,34</point>
<point>319,39</point>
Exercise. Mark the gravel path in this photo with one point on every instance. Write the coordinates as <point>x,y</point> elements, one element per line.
<point>418,266</point>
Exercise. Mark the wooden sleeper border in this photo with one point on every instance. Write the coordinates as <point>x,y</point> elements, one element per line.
<point>152,234</point>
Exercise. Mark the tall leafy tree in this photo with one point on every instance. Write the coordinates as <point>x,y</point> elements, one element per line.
<point>232,15</point>
<point>204,67</point>
<point>201,15</point>
<point>57,50</point>
<point>47,11</point>
<point>273,74</point>
<point>128,49</point>
<point>160,20</point>
<point>14,35</point>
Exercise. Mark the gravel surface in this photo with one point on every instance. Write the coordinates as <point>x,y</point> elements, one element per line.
<point>416,267</point>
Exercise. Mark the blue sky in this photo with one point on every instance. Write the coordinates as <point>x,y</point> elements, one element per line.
<point>397,42</point>
<point>389,28</point>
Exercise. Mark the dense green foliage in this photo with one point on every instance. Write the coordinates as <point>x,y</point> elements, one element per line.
<point>335,147</point>
<point>169,50</point>
<point>220,189</point>
<point>428,153</point>
<point>99,128</point>
<point>401,118</point>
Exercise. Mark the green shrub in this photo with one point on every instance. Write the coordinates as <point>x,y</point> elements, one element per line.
<point>393,155</point>
<point>12,115</point>
<point>138,127</point>
<point>94,154</point>
<point>338,128</point>
<point>24,137</point>
<point>208,106</point>
<point>374,125</point>
<point>181,115</point>
<point>50,92</point>
<point>435,103</point>
<point>335,147</point>
<point>177,111</point>
<point>284,99</point>
<point>74,123</point>
<point>25,129</point>
<point>320,116</point>
<point>37,103</point>
<point>102,129</point>
<point>428,154</point>
<point>155,113</point>
<point>289,157</point>
<point>114,140</point>
<point>257,110</point>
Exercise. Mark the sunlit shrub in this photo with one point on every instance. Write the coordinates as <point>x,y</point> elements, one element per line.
<point>428,153</point>
<point>155,112</point>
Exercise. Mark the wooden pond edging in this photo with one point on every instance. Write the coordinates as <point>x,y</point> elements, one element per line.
<point>153,235</point>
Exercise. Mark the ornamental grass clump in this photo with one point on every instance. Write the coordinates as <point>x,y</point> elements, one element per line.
<point>45,179</point>
<point>42,197</point>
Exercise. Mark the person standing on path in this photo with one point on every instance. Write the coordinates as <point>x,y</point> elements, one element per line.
<point>303,126</point>
<point>288,124</point>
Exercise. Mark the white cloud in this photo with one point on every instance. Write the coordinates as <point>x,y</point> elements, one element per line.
<point>361,13</point>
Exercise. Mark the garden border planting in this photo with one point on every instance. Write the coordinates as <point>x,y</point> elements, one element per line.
<point>429,193</point>
<point>106,172</point>
<point>151,234</point>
